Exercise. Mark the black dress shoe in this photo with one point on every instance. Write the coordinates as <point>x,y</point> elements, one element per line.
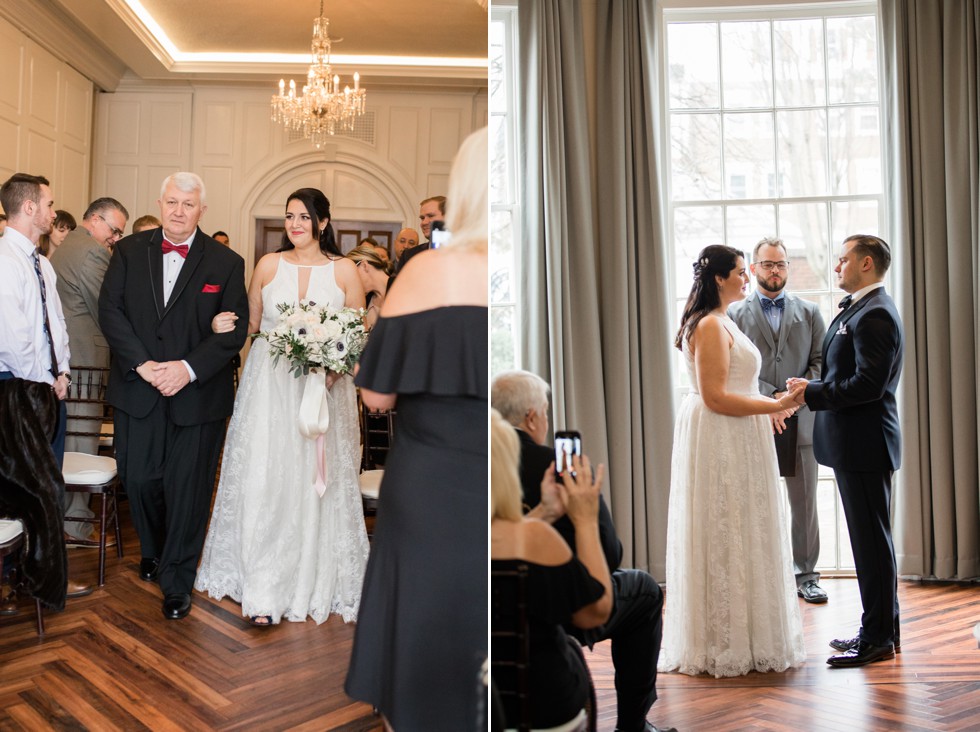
<point>839,644</point>
<point>176,606</point>
<point>810,591</point>
<point>647,727</point>
<point>862,654</point>
<point>148,569</point>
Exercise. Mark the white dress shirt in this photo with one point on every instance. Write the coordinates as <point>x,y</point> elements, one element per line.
<point>23,345</point>
<point>172,264</point>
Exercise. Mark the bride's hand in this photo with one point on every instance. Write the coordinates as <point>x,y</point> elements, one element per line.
<point>224,322</point>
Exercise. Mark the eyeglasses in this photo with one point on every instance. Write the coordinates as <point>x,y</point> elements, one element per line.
<point>118,233</point>
<point>768,266</point>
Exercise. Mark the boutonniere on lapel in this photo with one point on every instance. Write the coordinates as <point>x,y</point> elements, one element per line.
<point>211,288</point>
<point>842,329</point>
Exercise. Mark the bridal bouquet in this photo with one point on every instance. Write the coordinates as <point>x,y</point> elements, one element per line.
<point>313,337</point>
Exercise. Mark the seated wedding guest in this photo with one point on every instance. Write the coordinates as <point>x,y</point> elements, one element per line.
<point>375,274</point>
<point>145,222</point>
<point>563,588</point>
<point>421,633</point>
<point>64,222</point>
<point>222,238</point>
<point>636,624</point>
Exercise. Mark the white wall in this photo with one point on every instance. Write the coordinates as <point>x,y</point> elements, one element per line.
<point>249,164</point>
<point>45,119</point>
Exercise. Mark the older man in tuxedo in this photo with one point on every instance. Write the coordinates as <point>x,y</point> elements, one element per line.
<point>171,379</point>
<point>788,331</point>
<point>857,433</point>
<point>636,623</point>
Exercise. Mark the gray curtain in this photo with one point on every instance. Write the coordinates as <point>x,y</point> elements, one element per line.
<point>637,332</point>
<point>930,116</point>
<point>560,329</point>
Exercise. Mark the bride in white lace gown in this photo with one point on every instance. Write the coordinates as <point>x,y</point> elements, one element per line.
<point>731,593</point>
<point>273,544</point>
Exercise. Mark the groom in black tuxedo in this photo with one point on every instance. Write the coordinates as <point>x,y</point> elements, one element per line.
<point>856,432</point>
<point>170,382</point>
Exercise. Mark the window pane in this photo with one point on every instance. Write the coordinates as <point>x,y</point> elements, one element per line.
<point>695,151</point>
<point>693,65</point>
<point>746,57</point>
<point>747,225</point>
<point>695,227</point>
<point>749,158</point>
<point>502,338</point>
<point>855,150</point>
<point>852,60</point>
<point>499,173</point>
<point>803,228</point>
<point>799,63</point>
<point>501,257</point>
<point>853,217</point>
<point>802,153</point>
<point>498,83</point>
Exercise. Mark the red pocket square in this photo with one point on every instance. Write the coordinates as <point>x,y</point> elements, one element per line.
<point>211,288</point>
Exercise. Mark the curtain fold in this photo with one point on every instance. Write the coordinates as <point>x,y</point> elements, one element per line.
<point>560,328</point>
<point>931,80</point>
<point>634,306</point>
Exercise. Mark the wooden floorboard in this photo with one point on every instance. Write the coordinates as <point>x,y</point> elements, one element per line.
<point>111,661</point>
<point>934,684</point>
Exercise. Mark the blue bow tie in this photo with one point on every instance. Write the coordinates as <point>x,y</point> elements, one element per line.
<point>768,304</point>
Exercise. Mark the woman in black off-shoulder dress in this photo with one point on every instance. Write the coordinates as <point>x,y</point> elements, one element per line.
<point>421,634</point>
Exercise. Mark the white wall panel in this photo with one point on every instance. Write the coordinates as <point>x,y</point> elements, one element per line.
<point>445,129</point>
<point>9,148</point>
<point>41,156</point>
<point>258,132</point>
<point>122,183</point>
<point>121,126</point>
<point>403,139</point>
<point>166,128</point>
<point>12,79</point>
<point>219,129</point>
<point>73,176</point>
<point>76,114</point>
<point>44,85</point>
<point>218,183</point>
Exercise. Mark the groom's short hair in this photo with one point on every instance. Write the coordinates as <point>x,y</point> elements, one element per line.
<point>874,247</point>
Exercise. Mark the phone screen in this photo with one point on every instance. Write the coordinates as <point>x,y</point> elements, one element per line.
<point>566,444</point>
<point>438,236</point>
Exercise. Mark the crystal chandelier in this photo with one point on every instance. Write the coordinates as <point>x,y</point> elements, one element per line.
<point>321,109</point>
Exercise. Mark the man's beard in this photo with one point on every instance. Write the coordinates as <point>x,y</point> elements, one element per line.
<point>764,284</point>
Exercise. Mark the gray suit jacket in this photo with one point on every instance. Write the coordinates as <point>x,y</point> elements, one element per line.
<point>80,263</point>
<point>795,352</point>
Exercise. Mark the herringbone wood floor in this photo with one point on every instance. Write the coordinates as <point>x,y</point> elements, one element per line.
<point>934,684</point>
<point>111,661</point>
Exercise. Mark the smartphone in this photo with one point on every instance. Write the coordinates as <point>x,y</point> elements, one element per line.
<point>567,443</point>
<point>438,236</point>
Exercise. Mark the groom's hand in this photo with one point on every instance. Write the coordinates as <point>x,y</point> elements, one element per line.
<point>170,377</point>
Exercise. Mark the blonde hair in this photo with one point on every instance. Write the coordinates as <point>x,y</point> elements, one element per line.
<point>505,481</point>
<point>468,195</point>
<point>367,253</point>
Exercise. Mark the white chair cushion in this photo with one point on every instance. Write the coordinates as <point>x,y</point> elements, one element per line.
<point>83,469</point>
<point>10,529</point>
<point>370,481</point>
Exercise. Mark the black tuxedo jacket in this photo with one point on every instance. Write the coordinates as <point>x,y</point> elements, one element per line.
<point>535,459</point>
<point>140,328</point>
<point>856,426</point>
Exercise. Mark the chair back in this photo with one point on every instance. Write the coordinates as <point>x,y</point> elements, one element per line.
<point>377,437</point>
<point>510,640</point>
<point>89,416</point>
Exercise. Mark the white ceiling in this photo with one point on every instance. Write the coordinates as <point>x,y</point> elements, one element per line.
<point>389,42</point>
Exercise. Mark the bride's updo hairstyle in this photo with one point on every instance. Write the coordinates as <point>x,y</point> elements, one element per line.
<point>318,208</point>
<point>716,260</point>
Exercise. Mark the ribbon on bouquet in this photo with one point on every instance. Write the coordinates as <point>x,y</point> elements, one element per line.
<point>314,419</point>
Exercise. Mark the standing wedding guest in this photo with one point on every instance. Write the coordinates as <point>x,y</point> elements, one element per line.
<point>421,635</point>
<point>170,382</point>
<point>274,545</point>
<point>33,338</point>
<point>80,263</point>
<point>145,223</point>
<point>406,239</point>
<point>788,331</point>
<point>857,434</point>
<point>430,210</point>
<point>375,273</point>
<point>731,595</point>
<point>64,222</point>
<point>222,238</point>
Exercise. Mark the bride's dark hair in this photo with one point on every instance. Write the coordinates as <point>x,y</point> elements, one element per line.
<point>318,207</point>
<point>715,260</point>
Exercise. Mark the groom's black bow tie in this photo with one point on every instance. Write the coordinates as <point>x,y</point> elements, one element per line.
<point>845,302</point>
<point>768,305</point>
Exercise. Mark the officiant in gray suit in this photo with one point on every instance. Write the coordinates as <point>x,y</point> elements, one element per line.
<point>789,333</point>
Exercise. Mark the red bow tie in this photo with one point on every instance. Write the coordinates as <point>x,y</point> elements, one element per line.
<point>181,249</point>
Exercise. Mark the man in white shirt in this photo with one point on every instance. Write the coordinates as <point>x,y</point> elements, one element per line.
<point>33,337</point>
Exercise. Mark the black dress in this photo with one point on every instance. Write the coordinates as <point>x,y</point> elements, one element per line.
<point>559,681</point>
<point>422,627</point>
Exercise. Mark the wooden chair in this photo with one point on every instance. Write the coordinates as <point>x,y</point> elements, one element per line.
<point>370,484</point>
<point>93,473</point>
<point>11,544</point>
<point>377,437</point>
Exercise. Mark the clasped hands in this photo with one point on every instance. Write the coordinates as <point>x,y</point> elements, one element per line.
<point>167,377</point>
<point>794,395</point>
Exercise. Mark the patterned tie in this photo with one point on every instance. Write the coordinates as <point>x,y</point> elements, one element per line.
<point>44,309</point>
<point>845,302</point>
<point>181,249</point>
<point>768,305</point>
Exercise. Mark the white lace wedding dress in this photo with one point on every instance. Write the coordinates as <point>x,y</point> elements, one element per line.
<point>273,544</point>
<point>731,604</point>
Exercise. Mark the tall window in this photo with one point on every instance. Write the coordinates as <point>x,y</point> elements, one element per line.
<point>774,130</point>
<point>505,225</point>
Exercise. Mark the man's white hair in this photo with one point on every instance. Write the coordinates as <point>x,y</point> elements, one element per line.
<point>515,393</point>
<point>186,182</point>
